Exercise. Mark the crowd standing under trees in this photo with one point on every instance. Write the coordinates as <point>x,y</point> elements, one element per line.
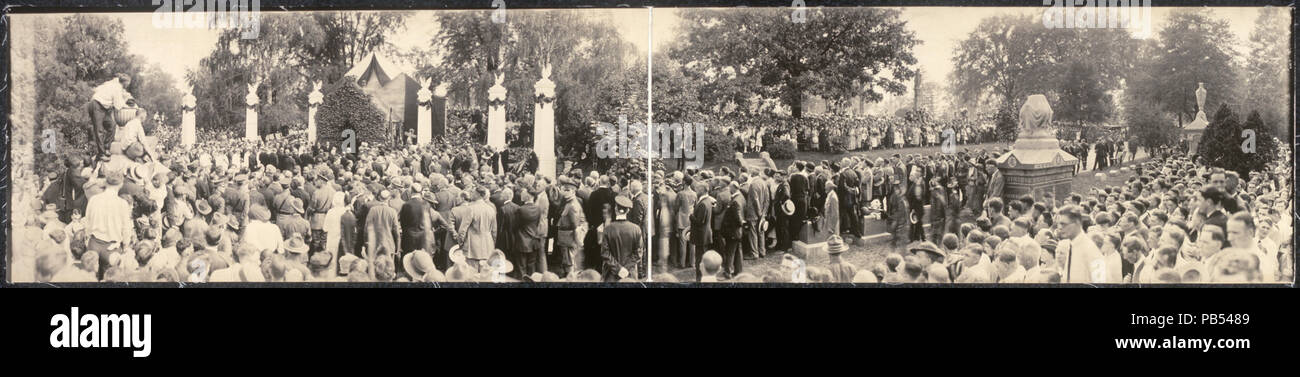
<point>279,209</point>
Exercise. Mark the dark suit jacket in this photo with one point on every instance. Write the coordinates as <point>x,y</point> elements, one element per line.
<point>732,218</point>
<point>414,217</point>
<point>526,220</point>
<point>799,190</point>
<point>702,221</point>
<point>507,222</point>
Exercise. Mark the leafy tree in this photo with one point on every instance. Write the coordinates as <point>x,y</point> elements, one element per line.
<point>1193,47</point>
<point>1151,128</point>
<point>596,73</point>
<point>76,53</point>
<point>1265,148</point>
<point>836,53</point>
<point>292,49</point>
<point>1009,57</point>
<point>1266,70</point>
<point>1221,144</point>
<point>1082,99</point>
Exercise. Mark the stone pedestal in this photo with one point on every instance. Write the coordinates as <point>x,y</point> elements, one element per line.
<point>1194,130</point>
<point>424,114</point>
<point>188,138</point>
<point>1034,166</point>
<point>311,124</point>
<point>544,125</point>
<point>811,253</point>
<point>496,132</point>
<point>250,123</point>
<point>313,102</point>
<point>250,114</point>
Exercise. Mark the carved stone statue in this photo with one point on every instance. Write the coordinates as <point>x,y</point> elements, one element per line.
<point>1200,97</point>
<point>1036,118</point>
<point>316,97</point>
<point>424,95</point>
<point>251,99</point>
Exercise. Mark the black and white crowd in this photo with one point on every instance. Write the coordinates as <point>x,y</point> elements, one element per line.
<point>1171,221</point>
<point>280,209</point>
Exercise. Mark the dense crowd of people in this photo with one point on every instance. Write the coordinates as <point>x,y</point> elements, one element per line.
<point>854,133</point>
<point>283,210</point>
<point>1171,221</point>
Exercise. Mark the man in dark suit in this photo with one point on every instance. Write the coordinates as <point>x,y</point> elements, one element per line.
<point>722,195</point>
<point>506,239</point>
<point>528,240</point>
<point>733,225</point>
<point>1211,204</point>
<point>781,223</point>
<point>416,225</point>
<point>798,195</point>
<point>685,206</point>
<point>622,244</point>
<point>598,210</point>
<point>756,196</point>
<point>846,188</point>
<point>702,227</point>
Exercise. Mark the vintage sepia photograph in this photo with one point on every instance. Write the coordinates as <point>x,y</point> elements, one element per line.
<point>1123,144</point>
<point>260,145</point>
<point>997,145</point>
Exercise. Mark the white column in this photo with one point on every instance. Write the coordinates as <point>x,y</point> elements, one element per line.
<point>250,114</point>
<point>496,137</point>
<point>187,120</point>
<point>424,113</point>
<point>313,103</point>
<point>544,124</point>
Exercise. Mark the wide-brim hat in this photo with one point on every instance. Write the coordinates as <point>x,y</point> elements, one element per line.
<point>930,247</point>
<point>417,264</point>
<point>202,207</point>
<point>295,245</point>
<point>788,207</point>
<point>623,201</point>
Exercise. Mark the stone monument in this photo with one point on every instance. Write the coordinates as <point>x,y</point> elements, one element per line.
<point>1036,164</point>
<point>313,103</point>
<point>1194,130</point>
<point>424,123</point>
<point>544,124</point>
<point>250,115</point>
<point>496,132</point>
<point>187,118</point>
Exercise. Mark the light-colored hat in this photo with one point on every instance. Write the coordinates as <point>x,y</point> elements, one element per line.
<point>788,207</point>
<point>418,263</point>
<point>295,244</point>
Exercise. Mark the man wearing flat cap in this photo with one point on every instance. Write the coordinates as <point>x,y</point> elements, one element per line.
<point>622,244</point>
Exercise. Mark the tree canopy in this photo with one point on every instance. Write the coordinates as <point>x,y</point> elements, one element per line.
<point>837,54</point>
